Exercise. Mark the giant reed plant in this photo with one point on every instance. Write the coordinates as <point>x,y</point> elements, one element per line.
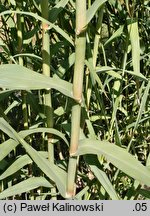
<point>74,99</point>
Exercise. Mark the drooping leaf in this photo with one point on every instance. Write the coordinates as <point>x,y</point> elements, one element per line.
<point>37,17</point>
<point>6,147</point>
<point>24,186</point>
<point>96,168</point>
<point>15,77</point>
<point>55,173</point>
<point>115,35</point>
<point>107,69</point>
<point>92,10</point>
<point>44,130</point>
<point>9,145</point>
<point>117,156</point>
<point>103,179</point>
<point>18,164</point>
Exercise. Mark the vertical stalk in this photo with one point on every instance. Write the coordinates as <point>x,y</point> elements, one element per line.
<point>77,93</point>
<point>20,21</point>
<point>46,71</point>
<point>97,36</point>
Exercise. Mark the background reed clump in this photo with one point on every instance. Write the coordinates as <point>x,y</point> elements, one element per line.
<point>74,99</point>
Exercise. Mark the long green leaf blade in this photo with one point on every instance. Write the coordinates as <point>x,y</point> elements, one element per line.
<point>37,17</point>
<point>103,179</point>
<point>15,77</point>
<point>115,35</point>
<point>51,170</point>
<point>117,156</point>
<point>25,186</point>
<point>18,164</point>
<point>7,146</point>
<point>92,10</point>
<point>135,44</point>
<point>142,106</point>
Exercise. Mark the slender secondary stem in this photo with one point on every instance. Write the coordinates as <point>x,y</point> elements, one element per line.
<point>20,21</point>
<point>97,36</point>
<point>80,43</point>
<point>46,71</point>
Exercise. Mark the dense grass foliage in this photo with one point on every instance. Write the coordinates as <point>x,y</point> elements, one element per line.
<point>74,99</point>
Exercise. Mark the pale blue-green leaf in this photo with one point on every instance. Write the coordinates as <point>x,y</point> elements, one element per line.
<point>106,69</point>
<point>28,55</point>
<point>103,179</point>
<point>114,74</point>
<point>11,106</point>
<point>6,128</point>
<point>56,174</point>
<point>135,45</point>
<point>9,145</point>
<point>139,75</point>
<point>115,35</point>
<point>6,147</point>
<point>17,165</point>
<point>117,156</point>
<point>148,161</point>
<point>20,163</point>
<point>59,111</point>
<point>44,130</point>
<point>25,186</point>
<point>14,76</point>
<point>142,105</point>
<point>79,195</point>
<point>93,9</point>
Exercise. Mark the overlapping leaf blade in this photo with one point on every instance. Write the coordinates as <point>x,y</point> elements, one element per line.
<point>94,7</point>
<point>7,146</point>
<point>117,156</point>
<point>24,186</point>
<point>18,164</point>
<point>15,77</point>
<point>103,179</point>
<point>37,17</point>
<point>55,173</point>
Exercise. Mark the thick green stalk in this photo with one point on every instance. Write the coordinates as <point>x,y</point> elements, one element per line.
<point>46,71</point>
<point>77,93</point>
